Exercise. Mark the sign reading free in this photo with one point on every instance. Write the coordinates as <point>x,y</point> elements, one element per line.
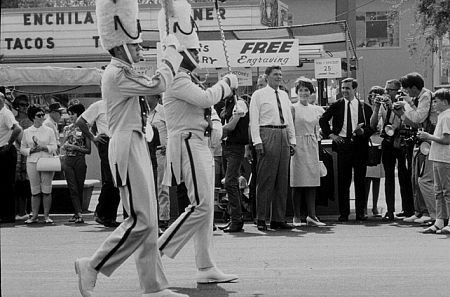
<point>327,68</point>
<point>248,53</point>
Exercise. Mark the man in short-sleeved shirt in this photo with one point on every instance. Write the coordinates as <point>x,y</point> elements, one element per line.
<point>109,199</point>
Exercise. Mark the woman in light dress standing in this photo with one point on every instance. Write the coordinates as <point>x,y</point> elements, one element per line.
<point>38,141</point>
<point>305,168</point>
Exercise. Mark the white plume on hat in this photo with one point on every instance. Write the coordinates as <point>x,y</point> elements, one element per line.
<point>181,24</point>
<point>109,29</point>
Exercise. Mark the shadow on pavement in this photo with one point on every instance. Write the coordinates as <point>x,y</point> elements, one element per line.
<point>204,290</point>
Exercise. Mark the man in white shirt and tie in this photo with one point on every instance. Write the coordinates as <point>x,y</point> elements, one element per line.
<point>273,136</point>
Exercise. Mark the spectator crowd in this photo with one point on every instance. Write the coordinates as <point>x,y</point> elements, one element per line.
<point>270,149</point>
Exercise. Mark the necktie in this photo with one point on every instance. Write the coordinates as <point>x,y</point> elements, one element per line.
<point>349,121</point>
<point>280,111</point>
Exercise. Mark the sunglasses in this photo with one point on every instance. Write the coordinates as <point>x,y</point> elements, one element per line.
<point>40,115</point>
<point>393,90</point>
<point>23,104</point>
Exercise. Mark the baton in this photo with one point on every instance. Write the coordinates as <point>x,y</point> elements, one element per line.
<point>224,43</point>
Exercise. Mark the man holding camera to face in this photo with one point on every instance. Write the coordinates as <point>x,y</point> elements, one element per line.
<point>414,112</point>
<point>417,112</point>
<point>392,150</point>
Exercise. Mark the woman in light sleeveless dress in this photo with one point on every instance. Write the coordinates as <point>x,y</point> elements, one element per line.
<point>305,169</point>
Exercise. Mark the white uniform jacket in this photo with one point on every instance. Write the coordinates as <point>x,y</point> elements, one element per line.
<point>121,88</point>
<point>184,105</point>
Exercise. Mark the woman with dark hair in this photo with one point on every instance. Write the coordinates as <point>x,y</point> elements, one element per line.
<point>305,168</point>
<point>375,173</point>
<point>75,146</point>
<point>38,141</point>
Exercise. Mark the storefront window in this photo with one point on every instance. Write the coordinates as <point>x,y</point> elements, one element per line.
<point>377,29</point>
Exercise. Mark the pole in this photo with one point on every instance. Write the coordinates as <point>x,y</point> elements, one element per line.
<point>224,44</point>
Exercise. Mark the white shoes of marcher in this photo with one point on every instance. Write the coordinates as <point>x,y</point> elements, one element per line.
<point>314,222</point>
<point>87,276</point>
<point>296,222</point>
<point>410,219</point>
<point>214,275</point>
<point>423,219</point>
<point>164,293</point>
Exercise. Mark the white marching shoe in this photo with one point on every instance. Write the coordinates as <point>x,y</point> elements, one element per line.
<point>87,276</point>
<point>164,293</point>
<point>214,275</point>
<point>314,221</point>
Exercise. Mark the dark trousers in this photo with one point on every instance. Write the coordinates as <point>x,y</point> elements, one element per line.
<point>109,198</point>
<point>232,156</point>
<point>8,160</point>
<point>23,197</point>
<point>252,185</point>
<point>75,172</point>
<point>391,156</point>
<point>350,156</point>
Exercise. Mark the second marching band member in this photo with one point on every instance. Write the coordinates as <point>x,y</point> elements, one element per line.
<point>188,113</point>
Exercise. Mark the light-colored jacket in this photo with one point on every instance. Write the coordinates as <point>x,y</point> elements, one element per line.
<point>42,136</point>
<point>184,105</point>
<point>121,88</point>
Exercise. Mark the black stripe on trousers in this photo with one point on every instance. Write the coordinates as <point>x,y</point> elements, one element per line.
<point>197,199</point>
<point>128,231</point>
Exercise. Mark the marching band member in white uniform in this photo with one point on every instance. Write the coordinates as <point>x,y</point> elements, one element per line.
<point>189,160</point>
<point>128,154</point>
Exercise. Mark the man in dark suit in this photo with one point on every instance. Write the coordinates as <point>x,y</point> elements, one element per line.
<point>350,133</point>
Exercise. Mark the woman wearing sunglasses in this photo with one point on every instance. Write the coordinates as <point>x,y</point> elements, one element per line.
<point>38,141</point>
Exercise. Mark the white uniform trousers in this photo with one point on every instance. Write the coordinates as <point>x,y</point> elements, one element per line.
<point>138,234</point>
<point>197,172</point>
<point>163,190</point>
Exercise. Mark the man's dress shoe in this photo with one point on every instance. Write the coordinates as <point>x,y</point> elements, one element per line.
<point>234,227</point>
<point>280,225</point>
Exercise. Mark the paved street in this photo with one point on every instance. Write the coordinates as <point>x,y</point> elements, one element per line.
<point>371,259</point>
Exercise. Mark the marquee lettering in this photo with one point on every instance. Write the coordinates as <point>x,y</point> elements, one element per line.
<point>29,43</point>
<point>57,18</point>
<point>207,14</point>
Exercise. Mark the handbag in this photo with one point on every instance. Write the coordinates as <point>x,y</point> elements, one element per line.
<point>323,169</point>
<point>49,164</point>
<point>373,154</point>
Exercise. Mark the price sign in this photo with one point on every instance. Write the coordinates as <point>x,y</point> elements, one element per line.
<point>327,68</point>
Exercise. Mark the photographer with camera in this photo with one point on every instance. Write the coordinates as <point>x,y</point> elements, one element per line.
<point>392,149</point>
<point>415,111</point>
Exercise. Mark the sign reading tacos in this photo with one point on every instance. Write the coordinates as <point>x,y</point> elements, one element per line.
<point>249,53</point>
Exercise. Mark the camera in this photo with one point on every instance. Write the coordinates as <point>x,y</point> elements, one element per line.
<point>380,99</point>
<point>409,136</point>
<point>400,95</point>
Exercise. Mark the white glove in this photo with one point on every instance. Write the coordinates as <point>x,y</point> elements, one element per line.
<point>171,40</point>
<point>232,80</point>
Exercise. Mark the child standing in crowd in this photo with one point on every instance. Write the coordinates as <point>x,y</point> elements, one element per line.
<point>439,154</point>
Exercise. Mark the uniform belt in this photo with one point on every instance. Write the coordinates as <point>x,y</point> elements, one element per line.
<point>274,126</point>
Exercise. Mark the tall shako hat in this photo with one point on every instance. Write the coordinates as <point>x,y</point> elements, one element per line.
<point>181,24</point>
<point>118,23</point>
